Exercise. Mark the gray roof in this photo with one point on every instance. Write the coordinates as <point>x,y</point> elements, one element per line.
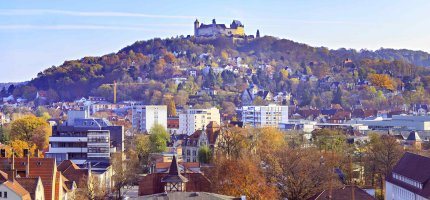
<point>185,195</point>
<point>413,136</point>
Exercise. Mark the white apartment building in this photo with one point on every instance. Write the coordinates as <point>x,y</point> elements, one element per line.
<point>409,179</point>
<point>144,117</point>
<point>264,116</point>
<point>196,119</point>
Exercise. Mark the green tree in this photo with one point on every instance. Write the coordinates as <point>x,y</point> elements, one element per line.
<point>205,154</point>
<point>158,139</point>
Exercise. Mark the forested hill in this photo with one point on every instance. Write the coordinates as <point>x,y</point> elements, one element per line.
<point>156,61</point>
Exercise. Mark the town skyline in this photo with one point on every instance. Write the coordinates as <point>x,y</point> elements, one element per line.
<point>50,33</point>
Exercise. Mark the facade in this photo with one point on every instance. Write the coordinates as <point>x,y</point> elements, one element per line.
<point>196,119</point>
<point>264,116</point>
<point>146,116</point>
<point>85,139</point>
<point>173,125</point>
<point>191,145</point>
<point>409,179</point>
<point>236,29</point>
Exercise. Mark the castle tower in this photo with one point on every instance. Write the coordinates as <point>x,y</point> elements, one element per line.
<point>196,27</point>
<point>258,34</point>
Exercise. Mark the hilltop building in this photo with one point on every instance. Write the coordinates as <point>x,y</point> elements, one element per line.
<point>237,29</point>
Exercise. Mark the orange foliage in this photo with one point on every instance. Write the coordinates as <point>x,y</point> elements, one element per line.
<point>383,81</point>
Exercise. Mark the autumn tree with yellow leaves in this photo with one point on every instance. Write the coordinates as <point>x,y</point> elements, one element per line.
<point>383,81</point>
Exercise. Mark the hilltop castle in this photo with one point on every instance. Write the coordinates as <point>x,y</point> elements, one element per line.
<point>237,29</point>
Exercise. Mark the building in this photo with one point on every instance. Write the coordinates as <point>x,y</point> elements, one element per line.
<point>27,171</point>
<point>84,139</point>
<point>192,120</point>
<point>144,117</point>
<point>86,177</point>
<point>264,116</point>
<point>177,179</point>
<point>398,122</point>
<point>237,29</point>
<point>173,125</point>
<point>191,145</point>
<point>343,193</point>
<point>187,195</point>
<point>409,179</point>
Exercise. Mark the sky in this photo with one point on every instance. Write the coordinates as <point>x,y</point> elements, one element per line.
<point>35,35</point>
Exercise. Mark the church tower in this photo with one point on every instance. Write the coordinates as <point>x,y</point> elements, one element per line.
<point>196,27</point>
<point>258,34</point>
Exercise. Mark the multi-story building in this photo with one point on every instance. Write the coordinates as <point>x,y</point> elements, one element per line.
<point>409,179</point>
<point>146,116</point>
<point>264,116</point>
<point>84,139</point>
<point>192,120</point>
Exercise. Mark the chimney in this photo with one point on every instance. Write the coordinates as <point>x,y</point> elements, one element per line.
<point>11,174</point>
<point>3,153</point>
<point>36,153</point>
<point>27,166</point>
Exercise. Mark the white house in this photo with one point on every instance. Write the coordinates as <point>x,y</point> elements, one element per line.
<point>409,179</point>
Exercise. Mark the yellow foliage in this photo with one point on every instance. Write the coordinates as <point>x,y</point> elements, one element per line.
<point>18,146</point>
<point>383,81</point>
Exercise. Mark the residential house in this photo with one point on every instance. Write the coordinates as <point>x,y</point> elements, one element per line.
<point>55,185</point>
<point>198,139</point>
<point>409,179</point>
<point>176,179</point>
<point>173,125</point>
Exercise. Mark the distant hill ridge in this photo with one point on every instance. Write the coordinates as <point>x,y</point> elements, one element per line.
<point>157,59</point>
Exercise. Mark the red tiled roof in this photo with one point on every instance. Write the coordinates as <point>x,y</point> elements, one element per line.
<point>44,168</point>
<point>30,184</point>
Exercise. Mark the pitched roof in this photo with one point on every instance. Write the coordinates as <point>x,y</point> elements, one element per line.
<point>343,193</point>
<point>18,189</point>
<point>413,136</point>
<point>174,176</point>
<point>415,167</point>
<point>39,167</point>
<point>72,172</point>
<point>29,184</point>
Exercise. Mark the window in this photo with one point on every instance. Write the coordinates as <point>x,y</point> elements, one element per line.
<point>1,194</point>
<point>5,195</point>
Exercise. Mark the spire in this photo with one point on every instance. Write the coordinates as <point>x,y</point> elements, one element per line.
<point>174,175</point>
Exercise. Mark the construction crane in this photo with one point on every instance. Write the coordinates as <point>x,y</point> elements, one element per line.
<point>115,84</point>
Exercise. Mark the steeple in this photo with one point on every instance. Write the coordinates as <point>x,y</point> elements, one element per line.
<point>175,182</point>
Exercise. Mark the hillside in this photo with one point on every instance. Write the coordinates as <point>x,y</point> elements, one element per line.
<point>274,64</point>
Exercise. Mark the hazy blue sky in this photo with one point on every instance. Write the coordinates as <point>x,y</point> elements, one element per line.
<point>35,35</point>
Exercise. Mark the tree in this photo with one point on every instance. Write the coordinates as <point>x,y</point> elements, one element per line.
<point>382,154</point>
<point>31,128</point>
<point>337,97</point>
<point>171,108</point>
<point>124,172</point>
<point>294,171</point>
<point>205,154</point>
<point>229,108</point>
<point>19,145</point>
<point>383,81</point>
<point>158,139</point>
<point>240,177</point>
